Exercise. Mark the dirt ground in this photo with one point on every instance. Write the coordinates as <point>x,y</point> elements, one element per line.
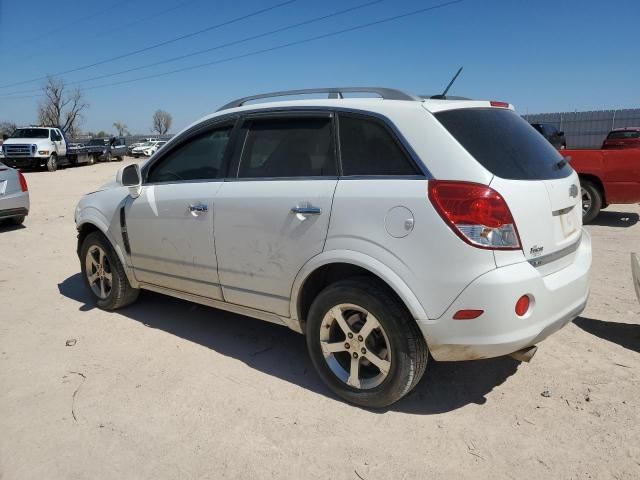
<point>166,389</point>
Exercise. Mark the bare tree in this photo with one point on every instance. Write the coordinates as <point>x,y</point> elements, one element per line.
<point>7,128</point>
<point>161,122</point>
<point>121,128</point>
<point>60,107</point>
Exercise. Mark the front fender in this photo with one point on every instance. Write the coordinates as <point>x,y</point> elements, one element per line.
<point>93,216</point>
<point>364,261</point>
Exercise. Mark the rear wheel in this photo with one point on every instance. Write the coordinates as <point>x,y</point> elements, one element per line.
<point>104,275</point>
<point>364,344</point>
<point>92,160</point>
<point>52,163</point>
<point>591,201</point>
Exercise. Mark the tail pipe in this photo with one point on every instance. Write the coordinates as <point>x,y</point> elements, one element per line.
<point>525,355</point>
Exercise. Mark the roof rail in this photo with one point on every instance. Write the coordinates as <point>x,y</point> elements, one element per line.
<point>385,93</point>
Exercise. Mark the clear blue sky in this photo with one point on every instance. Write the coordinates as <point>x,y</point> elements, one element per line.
<point>540,55</point>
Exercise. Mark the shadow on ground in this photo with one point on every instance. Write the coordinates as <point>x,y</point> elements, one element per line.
<point>6,226</point>
<point>626,335</point>
<point>615,219</point>
<point>280,352</point>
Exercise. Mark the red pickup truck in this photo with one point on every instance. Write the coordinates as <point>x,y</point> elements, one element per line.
<point>606,177</point>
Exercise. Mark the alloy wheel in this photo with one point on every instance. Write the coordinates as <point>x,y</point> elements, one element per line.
<point>587,201</point>
<point>355,346</point>
<point>98,271</point>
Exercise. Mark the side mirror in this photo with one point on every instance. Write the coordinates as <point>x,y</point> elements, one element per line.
<point>130,177</point>
<point>560,133</point>
<point>4,137</point>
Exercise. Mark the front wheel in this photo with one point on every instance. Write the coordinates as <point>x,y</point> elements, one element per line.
<point>52,163</point>
<point>364,344</point>
<point>104,275</point>
<point>591,201</point>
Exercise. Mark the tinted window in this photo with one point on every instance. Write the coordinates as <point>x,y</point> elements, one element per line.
<point>624,134</point>
<point>198,159</point>
<point>30,133</point>
<point>504,143</point>
<point>300,147</point>
<point>367,148</point>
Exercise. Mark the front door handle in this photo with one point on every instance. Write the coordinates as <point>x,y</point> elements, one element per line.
<point>306,210</point>
<point>198,208</point>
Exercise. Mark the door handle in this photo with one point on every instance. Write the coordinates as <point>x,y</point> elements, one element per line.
<point>306,210</point>
<point>198,208</point>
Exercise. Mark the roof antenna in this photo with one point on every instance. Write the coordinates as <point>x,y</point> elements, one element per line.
<point>443,95</point>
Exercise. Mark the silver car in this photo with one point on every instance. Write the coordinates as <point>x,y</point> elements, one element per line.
<point>14,195</point>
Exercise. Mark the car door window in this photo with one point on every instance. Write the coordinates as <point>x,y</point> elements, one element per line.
<point>288,147</point>
<point>200,158</point>
<point>368,148</point>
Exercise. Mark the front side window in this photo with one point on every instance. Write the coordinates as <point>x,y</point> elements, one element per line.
<point>287,147</point>
<point>200,158</point>
<point>367,148</point>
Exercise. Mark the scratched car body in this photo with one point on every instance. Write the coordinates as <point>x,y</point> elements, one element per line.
<point>384,229</point>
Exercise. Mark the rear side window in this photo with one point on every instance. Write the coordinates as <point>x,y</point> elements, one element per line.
<point>623,134</point>
<point>505,144</point>
<point>367,148</point>
<point>288,147</point>
<point>200,158</point>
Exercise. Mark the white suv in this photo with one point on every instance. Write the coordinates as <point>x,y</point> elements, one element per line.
<point>384,229</point>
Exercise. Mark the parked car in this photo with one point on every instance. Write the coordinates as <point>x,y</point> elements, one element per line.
<point>618,138</point>
<point>107,149</point>
<point>635,273</point>
<point>40,147</point>
<point>143,149</point>
<point>140,143</point>
<point>384,230</point>
<point>153,148</point>
<point>606,177</point>
<point>552,134</point>
<point>14,195</point>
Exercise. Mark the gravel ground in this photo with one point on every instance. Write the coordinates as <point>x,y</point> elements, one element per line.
<point>170,389</point>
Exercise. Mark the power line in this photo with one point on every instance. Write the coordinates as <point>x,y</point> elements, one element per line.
<point>277,47</point>
<point>111,30</point>
<point>157,45</point>
<point>79,20</point>
<point>216,47</point>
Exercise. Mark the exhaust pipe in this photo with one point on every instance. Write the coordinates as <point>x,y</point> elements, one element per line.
<point>525,355</point>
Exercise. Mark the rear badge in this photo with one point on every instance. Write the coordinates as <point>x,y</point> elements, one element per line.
<point>573,191</point>
<point>536,251</point>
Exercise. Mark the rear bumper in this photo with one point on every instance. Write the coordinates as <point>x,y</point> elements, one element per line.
<point>557,299</point>
<point>14,205</point>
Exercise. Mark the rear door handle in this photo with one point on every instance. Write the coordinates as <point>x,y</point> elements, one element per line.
<point>198,208</point>
<point>306,210</point>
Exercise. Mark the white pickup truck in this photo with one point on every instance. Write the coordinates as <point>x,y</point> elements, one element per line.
<point>35,147</point>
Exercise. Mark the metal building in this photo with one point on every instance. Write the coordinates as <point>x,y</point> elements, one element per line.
<point>588,129</point>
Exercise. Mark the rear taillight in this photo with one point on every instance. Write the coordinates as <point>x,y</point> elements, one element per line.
<point>23,181</point>
<point>499,104</point>
<point>476,213</point>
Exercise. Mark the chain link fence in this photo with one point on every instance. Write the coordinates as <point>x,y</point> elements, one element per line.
<point>588,129</point>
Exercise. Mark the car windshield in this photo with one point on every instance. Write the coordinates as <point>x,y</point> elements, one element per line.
<point>30,133</point>
<point>504,143</point>
<point>624,134</point>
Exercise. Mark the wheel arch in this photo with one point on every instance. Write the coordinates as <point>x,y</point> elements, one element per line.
<point>595,180</point>
<point>88,223</point>
<point>330,267</point>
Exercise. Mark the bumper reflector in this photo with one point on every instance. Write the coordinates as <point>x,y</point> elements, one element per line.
<point>467,314</point>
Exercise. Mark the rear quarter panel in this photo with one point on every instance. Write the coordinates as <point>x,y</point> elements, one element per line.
<point>618,170</point>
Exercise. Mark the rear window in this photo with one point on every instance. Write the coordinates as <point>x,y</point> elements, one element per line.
<point>623,134</point>
<point>505,144</point>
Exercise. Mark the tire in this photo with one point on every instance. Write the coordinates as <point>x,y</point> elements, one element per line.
<point>395,339</point>
<point>118,292</point>
<point>109,157</point>
<point>92,160</point>
<point>591,201</point>
<point>52,163</point>
<point>120,158</point>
